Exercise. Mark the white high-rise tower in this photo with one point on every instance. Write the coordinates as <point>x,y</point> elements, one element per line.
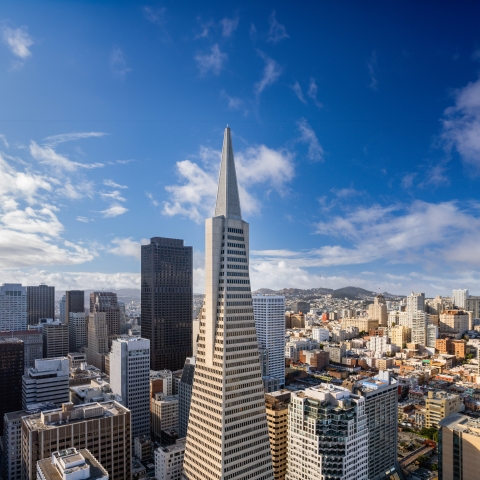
<point>227,435</point>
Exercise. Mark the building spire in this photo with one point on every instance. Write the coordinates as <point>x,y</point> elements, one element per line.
<point>228,200</point>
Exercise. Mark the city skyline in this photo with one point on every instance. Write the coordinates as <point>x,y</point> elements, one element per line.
<point>356,152</point>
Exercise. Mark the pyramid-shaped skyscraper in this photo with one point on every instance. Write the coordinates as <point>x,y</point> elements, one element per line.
<point>227,431</point>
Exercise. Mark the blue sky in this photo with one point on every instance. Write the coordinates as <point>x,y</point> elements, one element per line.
<point>356,129</point>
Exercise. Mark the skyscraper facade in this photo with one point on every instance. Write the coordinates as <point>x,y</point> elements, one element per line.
<point>97,347</point>
<point>227,431</point>
<point>167,301</point>
<point>107,303</point>
<point>185,396</point>
<point>13,307</point>
<point>74,303</point>
<point>40,303</point>
<point>77,331</point>
<point>459,298</point>
<point>269,313</point>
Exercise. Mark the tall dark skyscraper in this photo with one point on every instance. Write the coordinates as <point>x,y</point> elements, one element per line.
<point>11,371</point>
<point>106,302</point>
<point>40,303</point>
<point>167,302</point>
<point>74,302</point>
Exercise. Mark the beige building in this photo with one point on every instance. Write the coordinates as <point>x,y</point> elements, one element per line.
<point>97,348</point>
<point>459,447</point>
<point>277,416</point>
<point>439,405</point>
<point>378,310</point>
<point>163,414</point>
<point>454,321</point>
<point>399,335</point>
<point>363,324</point>
<point>473,305</point>
<point>103,428</point>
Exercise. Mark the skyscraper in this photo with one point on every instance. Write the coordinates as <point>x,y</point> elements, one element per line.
<point>40,303</point>
<point>77,331</point>
<point>227,432</point>
<point>185,396</point>
<point>106,302</point>
<point>74,303</point>
<point>167,301</point>
<point>97,347</point>
<point>269,313</point>
<point>13,307</point>
<point>459,298</point>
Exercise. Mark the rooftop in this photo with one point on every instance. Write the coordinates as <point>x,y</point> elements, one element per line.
<point>462,423</point>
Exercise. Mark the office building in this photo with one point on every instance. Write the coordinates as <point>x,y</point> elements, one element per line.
<point>13,307</point>
<point>301,307</point>
<point>169,461</point>
<point>399,335</point>
<point>167,301</point>
<point>378,310</point>
<point>439,405</point>
<point>103,428</point>
<point>55,337</point>
<point>277,415</point>
<point>74,303</point>
<point>70,464</point>
<point>419,328</point>
<point>458,447</point>
<point>11,371</point>
<point>432,335</point>
<point>185,396</point>
<point>107,303</point>
<point>63,309</point>
<point>77,331</point>
<point>33,344</point>
<point>130,378</point>
<point>97,345</point>
<point>415,303</point>
<point>195,334</point>
<point>269,313</point>
<point>328,434</point>
<point>163,414</point>
<point>320,334</point>
<point>227,430</point>
<point>453,322</point>
<point>46,382</point>
<point>473,305</point>
<point>459,298</point>
<point>381,410</point>
<point>40,303</point>
<point>123,318</point>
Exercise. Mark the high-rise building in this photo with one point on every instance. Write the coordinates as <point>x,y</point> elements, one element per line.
<point>459,298</point>
<point>63,309</point>
<point>106,302</point>
<point>169,461</point>
<point>13,307</point>
<point>419,328</point>
<point>70,464</point>
<point>167,301</point>
<point>47,382</point>
<point>11,371</point>
<point>439,405</point>
<point>103,428</point>
<point>40,303</point>
<point>97,348</point>
<point>378,310</point>
<point>74,302</point>
<point>473,305</point>
<point>328,434</point>
<point>458,447</point>
<point>55,339</point>
<point>77,331</point>
<point>32,341</point>
<point>269,313</point>
<point>227,432</point>
<point>415,303</point>
<point>301,307</point>
<point>432,335</point>
<point>399,335</point>
<point>185,396</point>
<point>130,378</point>
<point>163,414</point>
<point>453,321</point>
<point>277,415</point>
<point>123,318</point>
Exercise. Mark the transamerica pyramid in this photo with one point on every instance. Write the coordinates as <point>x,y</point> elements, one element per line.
<point>227,430</point>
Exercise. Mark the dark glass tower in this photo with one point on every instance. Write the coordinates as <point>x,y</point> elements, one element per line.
<point>74,302</point>
<point>167,302</point>
<point>40,303</point>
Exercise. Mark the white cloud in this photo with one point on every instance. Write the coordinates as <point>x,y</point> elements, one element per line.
<point>212,62</point>
<point>84,219</point>
<point>152,199</point>
<point>111,183</point>
<point>18,40</point>
<point>195,196</point>
<point>461,124</point>
<point>277,31</point>
<point>234,103</point>
<point>298,92</point>
<point>114,211</point>
<point>372,67</point>
<point>271,73</point>
<point>4,140</point>
<point>69,137</point>
<point>308,136</point>
<point>118,63</point>
<point>229,25</point>
<point>312,93</point>
<point>114,195</point>
<point>126,247</point>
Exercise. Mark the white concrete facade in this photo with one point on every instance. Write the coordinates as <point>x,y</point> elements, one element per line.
<point>13,307</point>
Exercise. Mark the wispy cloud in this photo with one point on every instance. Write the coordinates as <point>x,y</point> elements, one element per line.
<point>4,140</point>
<point>114,211</point>
<point>271,73</point>
<point>233,103</point>
<point>69,137</point>
<point>229,25</point>
<point>118,63</point>
<point>277,31</point>
<point>308,136</point>
<point>157,16</point>
<point>19,41</point>
<point>114,195</point>
<point>211,62</point>
<point>372,70</point>
<point>84,219</point>
<point>312,93</point>
<point>111,183</point>
<point>298,92</point>
<point>152,199</point>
